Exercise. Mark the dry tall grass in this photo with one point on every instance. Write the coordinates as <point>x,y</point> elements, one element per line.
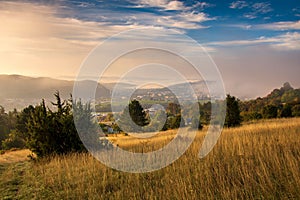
<point>255,161</point>
<point>14,156</point>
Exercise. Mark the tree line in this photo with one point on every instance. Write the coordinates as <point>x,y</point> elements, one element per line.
<point>46,132</point>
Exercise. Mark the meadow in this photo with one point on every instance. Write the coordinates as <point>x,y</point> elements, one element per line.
<point>259,160</point>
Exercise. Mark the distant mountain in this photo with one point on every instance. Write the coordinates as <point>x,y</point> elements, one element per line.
<point>16,86</point>
<point>19,91</point>
<point>111,86</point>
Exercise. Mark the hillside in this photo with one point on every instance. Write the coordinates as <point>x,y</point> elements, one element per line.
<point>284,101</point>
<point>255,161</point>
<point>19,91</point>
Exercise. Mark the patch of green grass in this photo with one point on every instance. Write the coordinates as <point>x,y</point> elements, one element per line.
<point>11,179</point>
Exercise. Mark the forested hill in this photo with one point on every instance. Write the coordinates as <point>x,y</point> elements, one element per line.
<point>286,94</point>
<point>282,102</point>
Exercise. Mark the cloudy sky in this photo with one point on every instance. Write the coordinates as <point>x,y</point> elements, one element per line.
<point>255,44</point>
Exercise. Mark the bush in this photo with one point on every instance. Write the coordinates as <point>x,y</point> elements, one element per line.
<point>13,141</point>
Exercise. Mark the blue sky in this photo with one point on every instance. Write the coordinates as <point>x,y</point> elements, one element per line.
<point>205,21</point>
<point>255,44</point>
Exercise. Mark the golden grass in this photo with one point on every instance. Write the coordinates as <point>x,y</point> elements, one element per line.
<point>14,156</point>
<point>134,144</point>
<point>259,160</point>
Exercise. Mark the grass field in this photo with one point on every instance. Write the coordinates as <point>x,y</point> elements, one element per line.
<point>259,160</point>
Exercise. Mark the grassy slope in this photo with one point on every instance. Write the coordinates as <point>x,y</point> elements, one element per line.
<point>256,161</point>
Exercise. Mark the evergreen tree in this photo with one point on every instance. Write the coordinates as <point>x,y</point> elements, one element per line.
<point>133,118</point>
<point>22,121</point>
<point>137,113</point>
<point>233,117</point>
<point>52,132</point>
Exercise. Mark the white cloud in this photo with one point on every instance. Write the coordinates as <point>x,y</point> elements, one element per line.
<point>262,8</point>
<point>250,16</point>
<point>241,26</point>
<point>202,5</point>
<point>153,3</point>
<point>238,5</point>
<point>169,4</point>
<point>195,17</point>
<point>277,26</point>
<point>35,38</point>
<point>258,9</point>
<point>184,20</point>
<point>288,25</point>
<point>165,4</point>
<point>84,4</point>
<point>175,5</point>
<point>287,41</point>
<point>168,21</point>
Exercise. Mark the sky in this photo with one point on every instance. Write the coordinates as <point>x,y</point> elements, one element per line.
<point>255,44</point>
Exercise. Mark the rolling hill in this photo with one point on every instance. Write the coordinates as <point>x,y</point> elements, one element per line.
<point>18,91</point>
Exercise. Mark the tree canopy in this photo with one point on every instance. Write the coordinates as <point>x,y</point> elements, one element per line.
<point>233,117</point>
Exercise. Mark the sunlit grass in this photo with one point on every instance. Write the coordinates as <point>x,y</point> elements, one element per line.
<point>259,160</point>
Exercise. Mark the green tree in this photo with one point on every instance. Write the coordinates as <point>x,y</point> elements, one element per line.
<point>296,110</point>
<point>205,112</point>
<point>137,113</point>
<point>247,116</point>
<point>173,109</point>
<point>233,117</point>
<point>270,111</point>
<point>22,121</point>
<point>4,128</point>
<point>176,121</point>
<point>133,118</point>
<point>286,111</point>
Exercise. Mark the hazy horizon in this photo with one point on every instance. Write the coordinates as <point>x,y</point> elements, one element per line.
<point>114,80</point>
